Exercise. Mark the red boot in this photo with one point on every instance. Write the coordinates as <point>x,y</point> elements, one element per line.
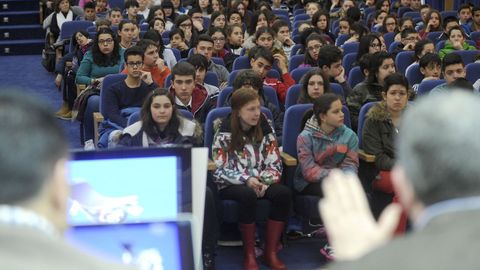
<point>274,231</point>
<point>248,236</point>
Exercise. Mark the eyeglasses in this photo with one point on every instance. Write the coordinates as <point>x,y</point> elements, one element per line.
<point>375,45</point>
<point>105,41</point>
<point>197,18</point>
<point>316,47</point>
<point>186,25</point>
<point>218,39</point>
<point>135,64</point>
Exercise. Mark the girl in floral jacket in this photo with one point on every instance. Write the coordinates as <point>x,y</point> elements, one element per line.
<point>249,167</point>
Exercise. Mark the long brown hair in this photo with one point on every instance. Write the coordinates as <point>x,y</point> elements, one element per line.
<point>240,98</point>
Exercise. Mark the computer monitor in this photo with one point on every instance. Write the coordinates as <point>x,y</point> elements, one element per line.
<point>129,185</point>
<point>148,245</point>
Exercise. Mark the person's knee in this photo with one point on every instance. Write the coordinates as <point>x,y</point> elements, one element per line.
<point>248,198</point>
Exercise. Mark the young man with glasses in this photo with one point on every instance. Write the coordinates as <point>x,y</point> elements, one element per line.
<point>409,39</point>
<point>152,62</point>
<point>124,97</point>
<point>197,19</point>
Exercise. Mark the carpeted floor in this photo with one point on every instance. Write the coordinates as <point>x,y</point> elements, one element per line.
<point>26,73</point>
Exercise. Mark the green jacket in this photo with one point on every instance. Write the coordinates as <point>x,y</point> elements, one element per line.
<point>448,48</point>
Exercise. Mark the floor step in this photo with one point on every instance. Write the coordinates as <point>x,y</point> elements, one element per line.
<point>19,17</point>
<point>11,32</point>
<point>18,5</point>
<point>21,47</point>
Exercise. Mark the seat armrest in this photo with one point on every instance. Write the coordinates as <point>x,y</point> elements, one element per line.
<point>366,157</point>
<point>287,159</point>
<point>211,165</point>
<point>80,88</point>
<point>97,119</point>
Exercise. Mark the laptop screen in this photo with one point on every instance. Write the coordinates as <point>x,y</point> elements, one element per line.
<point>156,245</point>
<point>129,185</point>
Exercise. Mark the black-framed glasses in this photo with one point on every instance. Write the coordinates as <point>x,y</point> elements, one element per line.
<point>105,41</point>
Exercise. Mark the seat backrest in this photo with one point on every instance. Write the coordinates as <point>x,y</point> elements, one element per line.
<point>355,76</point>
<point>221,113</point>
<point>282,12</point>
<point>361,119</point>
<point>292,95</point>
<point>475,35</point>
<point>295,49</point>
<point>348,61</point>
<point>271,95</point>
<point>389,38</point>
<point>297,23</point>
<point>337,89</point>
<point>346,116</point>
<point>298,73</point>
<point>295,61</point>
<point>448,13</point>
<point>241,62</point>
<point>426,86</point>
<point>177,53</point>
<point>301,17</point>
<point>351,47</point>
<point>70,27</point>
<point>117,3</point>
<point>393,46</point>
<point>412,14</point>
<point>223,95</point>
<point>433,36</point>
<point>108,81</point>
<point>414,75</point>
<point>341,39</point>
<point>403,60</point>
<point>473,72</point>
<point>468,56</point>
<point>218,61</point>
<point>292,122</point>
<point>210,78</point>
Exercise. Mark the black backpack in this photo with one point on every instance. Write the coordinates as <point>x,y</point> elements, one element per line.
<point>48,58</point>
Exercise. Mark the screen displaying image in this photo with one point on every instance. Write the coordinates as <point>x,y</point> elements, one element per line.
<point>152,246</point>
<point>128,186</point>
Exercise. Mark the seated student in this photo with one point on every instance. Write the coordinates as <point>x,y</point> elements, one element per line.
<point>357,31</point>
<point>249,167</point>
<point>218,19</point>
<point>89,13</point>
<point>313,45</point>
<point>143,8</point>
<point>177,41</point>
<point>369,44</point>
<point>235,39</point>
<point>475,24</point>
<point>189,95</point>
<point>330,61</point>
<point>311,7</point>
<point>389,25</point>
<point>433,23</point>
<point>378,19</point>
<point>81,44</point>
<point>152,63</point>
<point>452,69</point>
<point>448,23</point>
<point>115,16</point>
<point>157,24</point>
<point>165,54</point>
<point>197,20</point>
<point>101,9</point>
<point>265,37</point>
<point>283,35</point>
<point>379,132</point>
<point>456,42</point>
<point>381,65</point>
<point>261,61</point>
<point>205,47</point>
<point>315,83</point>
<point>464,14</point>
<point>321,21</point>
<point>105,57</point>
<point>200,63</point>
<point>219,37</point>
<point>409,38</point>
<point>430,66</point>
<point>124,95</point>
<point>250,79</point>
<point>421,48</point>
<point>185,23</point>
<point>131,7</point>
<point>160,123</point>
<point>462,83</point>
<point>126,32</point>
<point>324,144</point>
<point>404,23</point>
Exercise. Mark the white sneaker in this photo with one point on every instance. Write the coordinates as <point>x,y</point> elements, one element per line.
<point>89,145</point>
